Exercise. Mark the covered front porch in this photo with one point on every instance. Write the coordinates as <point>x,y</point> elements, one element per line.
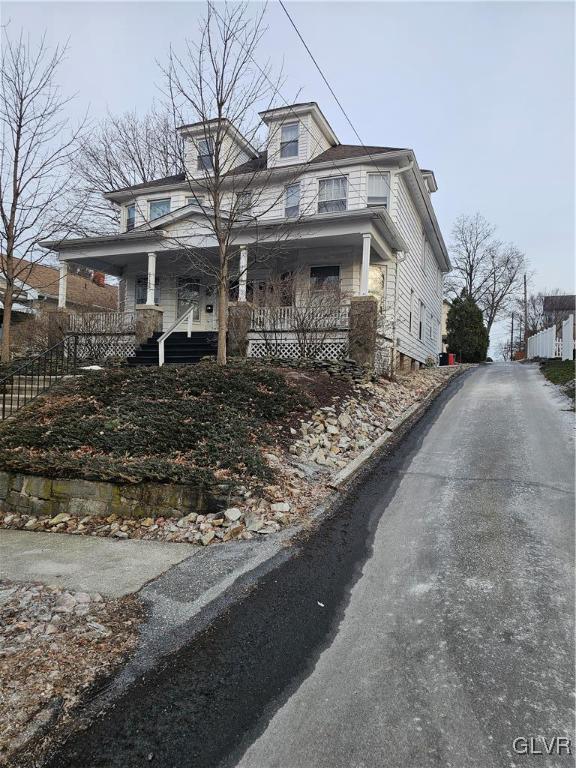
<point>168,290</point>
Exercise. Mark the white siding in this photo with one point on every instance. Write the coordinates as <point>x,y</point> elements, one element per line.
<point>418,274</point>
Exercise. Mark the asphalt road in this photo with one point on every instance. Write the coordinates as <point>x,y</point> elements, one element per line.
<point>429,623</point>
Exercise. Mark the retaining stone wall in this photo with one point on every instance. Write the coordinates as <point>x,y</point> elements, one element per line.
<point>33,495</point>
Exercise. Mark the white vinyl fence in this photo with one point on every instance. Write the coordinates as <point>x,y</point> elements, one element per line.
<point>546,345</point>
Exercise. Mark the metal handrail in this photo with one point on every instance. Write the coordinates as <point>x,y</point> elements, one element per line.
<point>184,316</point>
<point>42,370</point>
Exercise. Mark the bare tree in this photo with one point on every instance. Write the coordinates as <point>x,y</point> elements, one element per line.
<point>216,89</point>
<point>488,270</point>
<point>292,302</point>
<point>535,314</point>
<point>35,153</point>
<point>123,151</point>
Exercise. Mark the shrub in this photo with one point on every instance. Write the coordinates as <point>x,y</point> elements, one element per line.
<point>173,424</point>
<point>467,336</point>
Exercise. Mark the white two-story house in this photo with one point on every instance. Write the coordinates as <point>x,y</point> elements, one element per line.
<point>349,217</point>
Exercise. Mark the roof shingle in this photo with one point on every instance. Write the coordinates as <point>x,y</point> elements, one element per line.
<point>79,290</point>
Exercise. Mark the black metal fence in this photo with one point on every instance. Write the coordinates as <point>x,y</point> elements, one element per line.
<point>37,374</point>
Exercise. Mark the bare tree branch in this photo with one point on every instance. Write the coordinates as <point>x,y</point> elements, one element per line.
<point>489,271</point>
<point>36,151</point>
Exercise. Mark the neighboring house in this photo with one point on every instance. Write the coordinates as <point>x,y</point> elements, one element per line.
<point>359,218</point>
<point>39,288</point>
<point>556,309</point>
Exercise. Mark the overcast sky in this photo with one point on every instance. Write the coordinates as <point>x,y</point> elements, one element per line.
<point>483,92</point>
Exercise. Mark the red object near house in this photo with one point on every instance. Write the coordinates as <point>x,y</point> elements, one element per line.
<point>451,358</point>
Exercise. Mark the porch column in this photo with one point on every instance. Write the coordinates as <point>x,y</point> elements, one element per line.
<point>243,274</point>
<point>365,268</point>
<point>151,281</point>
<point>62,285</point>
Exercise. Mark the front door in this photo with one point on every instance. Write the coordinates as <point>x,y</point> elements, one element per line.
<point>190,293</point>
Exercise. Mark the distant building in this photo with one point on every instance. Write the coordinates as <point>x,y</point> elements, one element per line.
<point>38,289</point>
<point>558,308</point>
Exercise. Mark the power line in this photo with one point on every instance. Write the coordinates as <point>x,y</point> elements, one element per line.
<point>323,76</point>
<point>290,107</point>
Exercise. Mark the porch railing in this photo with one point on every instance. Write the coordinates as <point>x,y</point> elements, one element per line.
<point>103,322</point>
<point>188,318</point>
<point>295,317</point>
<point>37,374</point>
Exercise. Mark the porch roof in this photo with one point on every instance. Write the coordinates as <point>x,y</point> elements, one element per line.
<point>109,253</point>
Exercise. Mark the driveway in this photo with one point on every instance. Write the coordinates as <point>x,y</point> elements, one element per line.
<point>428,624</point>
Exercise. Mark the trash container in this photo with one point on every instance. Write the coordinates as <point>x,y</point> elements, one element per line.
<point>451,358</point>
<point>443,358</point>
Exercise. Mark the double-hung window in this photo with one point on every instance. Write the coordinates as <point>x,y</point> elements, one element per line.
<point>130,217</point>
<point>206,154</point>
<point>332,194</point>
<point>323,278</point>
<point>292,201</point>
<point>157,208</point>
<point>378,189</point>
<point>289,140</point>
<point>421,321</point>
<point>141,290</point>
<point>243,201</point>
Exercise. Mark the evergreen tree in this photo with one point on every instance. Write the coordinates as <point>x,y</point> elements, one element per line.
<point>466,332</point>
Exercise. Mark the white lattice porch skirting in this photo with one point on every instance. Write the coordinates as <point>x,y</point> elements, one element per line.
<point>287,346</point>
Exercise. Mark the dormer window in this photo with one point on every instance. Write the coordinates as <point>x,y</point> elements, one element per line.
<point>289,140</point>
<point>157,208</point>
<point>378,189</point>
<point>205,154</point>
<point>130,217</point>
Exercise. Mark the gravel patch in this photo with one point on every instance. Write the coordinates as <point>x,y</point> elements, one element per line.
<point>54,645</point>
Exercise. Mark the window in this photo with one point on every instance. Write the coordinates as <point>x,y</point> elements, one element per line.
<point>322,278</point>
<point>130,217</point>
<point>195,200</point>
<point>205,154</point>
<point>292,201</point>
<point>378,189</point>
<point>140,290</point>
<point>332,194</point>
<point>243,201</point>
<point>289,140</point>
<point>188,294</point>
<point>421,320</point>
<point>423,252</point>
<point>157,208</point>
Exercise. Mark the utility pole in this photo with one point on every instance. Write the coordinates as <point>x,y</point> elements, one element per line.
<point>525,316</point>
<point>512,336</point>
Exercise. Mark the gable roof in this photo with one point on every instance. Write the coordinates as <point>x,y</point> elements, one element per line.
<point>79,290</point>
